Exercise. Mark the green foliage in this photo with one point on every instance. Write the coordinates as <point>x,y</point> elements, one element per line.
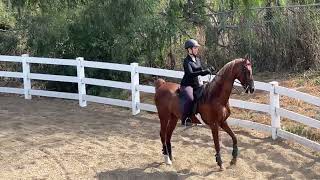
<point>303,130</point>
<point>152,32</point>
<point>8,38</point>
<point>317,81</point>
<point>8,43</point>
<point>109,92</point>
<point>278,39</point>
<point>7,19</point>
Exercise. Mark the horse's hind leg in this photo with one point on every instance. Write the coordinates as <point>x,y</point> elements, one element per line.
<point>226,127</point>
<point>164,119</point>
<point>171,126</point>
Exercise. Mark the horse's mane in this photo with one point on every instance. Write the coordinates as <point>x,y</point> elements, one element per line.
<point>219,78</point>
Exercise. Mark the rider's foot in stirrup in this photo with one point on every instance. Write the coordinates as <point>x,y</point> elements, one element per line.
<point>187,122</point>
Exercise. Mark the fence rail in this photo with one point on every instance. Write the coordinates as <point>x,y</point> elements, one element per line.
<point>11,90</point>
<point>110,66</point>
<point>107,83</point>
<point>54,94</point>
<point>298,95</point>
<point>64,62</point>
<point>273,108</point>
<point>11,74</point>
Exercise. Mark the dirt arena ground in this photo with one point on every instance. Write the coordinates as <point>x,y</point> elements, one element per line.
<point>46,138</point>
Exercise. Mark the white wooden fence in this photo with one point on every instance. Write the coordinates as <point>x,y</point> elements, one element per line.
<point>273,108</point>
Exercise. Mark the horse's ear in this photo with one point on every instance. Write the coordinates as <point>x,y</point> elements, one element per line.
<point>247,57</point>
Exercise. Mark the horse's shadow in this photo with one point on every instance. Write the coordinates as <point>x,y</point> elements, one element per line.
<point>145,174</point>
<point>136,174</point>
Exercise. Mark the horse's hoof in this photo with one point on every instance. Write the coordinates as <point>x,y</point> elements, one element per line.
<point>233,161</point>
<point>167,160</point>
<point>222,168</point>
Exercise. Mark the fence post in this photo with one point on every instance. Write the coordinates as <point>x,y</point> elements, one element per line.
<point>26,76</point>
<point>135,94</point>
<point>274,103</point>
<point>81,84</point>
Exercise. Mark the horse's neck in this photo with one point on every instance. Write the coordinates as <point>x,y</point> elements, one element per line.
<point>226,90</point>
<point>222,87</point>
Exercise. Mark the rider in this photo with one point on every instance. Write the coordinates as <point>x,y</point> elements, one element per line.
<point>190,82</point>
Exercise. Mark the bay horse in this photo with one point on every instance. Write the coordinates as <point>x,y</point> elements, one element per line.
<point>213,106</point>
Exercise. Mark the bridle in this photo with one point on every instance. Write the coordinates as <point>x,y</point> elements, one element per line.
<point>246,84</point>
<point>244,71</point>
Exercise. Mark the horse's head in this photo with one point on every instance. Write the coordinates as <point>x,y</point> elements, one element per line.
<point>244,75</point>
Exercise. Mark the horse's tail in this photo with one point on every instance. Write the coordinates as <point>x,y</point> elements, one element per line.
<point>158,83</point>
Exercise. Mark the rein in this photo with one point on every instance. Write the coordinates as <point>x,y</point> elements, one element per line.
<point>236,81</point>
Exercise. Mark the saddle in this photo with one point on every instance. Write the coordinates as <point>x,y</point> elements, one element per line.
<point>197,94</point>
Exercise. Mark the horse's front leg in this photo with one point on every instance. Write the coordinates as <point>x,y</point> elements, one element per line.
<point>215,134</point>
<point>226,127</point>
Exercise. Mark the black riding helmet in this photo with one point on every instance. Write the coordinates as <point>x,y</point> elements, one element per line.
<point>191,43</point>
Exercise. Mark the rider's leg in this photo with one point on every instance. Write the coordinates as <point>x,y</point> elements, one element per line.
<point>188,102</point>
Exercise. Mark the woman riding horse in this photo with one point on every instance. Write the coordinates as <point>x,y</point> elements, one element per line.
<point>190,81</point>
<point>213,107</point>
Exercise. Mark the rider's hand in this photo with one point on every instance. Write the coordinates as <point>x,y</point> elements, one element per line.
<point>205,72</point>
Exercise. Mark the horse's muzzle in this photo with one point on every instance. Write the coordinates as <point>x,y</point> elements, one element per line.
<point>250,87</point>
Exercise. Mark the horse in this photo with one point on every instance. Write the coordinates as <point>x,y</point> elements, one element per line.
<point>213,106</point>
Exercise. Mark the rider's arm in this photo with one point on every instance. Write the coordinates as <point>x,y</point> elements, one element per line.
<point>189,71</point>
